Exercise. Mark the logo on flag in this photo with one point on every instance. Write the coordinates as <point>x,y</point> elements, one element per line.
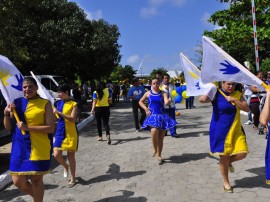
<point>194,84</point>
<point>10,80</point>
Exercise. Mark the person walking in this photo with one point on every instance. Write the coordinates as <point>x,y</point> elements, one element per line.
<point>31,152</point>
<point>157,119</point>
<point>167,87</point>
<point>255,101</point>
<point>264,120</point>
<point>135,93</point>
<point>247,96</point>
<point>66,135</point>
<point>227,137</point>
<point>102,99</point>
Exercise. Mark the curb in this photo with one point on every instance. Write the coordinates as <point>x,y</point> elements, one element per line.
<point>5,178</point>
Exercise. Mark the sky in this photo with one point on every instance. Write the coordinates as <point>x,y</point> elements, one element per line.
<point>154,32</point>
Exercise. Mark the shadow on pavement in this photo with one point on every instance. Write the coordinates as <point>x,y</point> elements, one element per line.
<point>113,173</point>
<point>188,157</point>
<point>254,181</point>
<point>126,197</point>
<point>122,141</point>
<point>194,134</point>
<point>8,195</point>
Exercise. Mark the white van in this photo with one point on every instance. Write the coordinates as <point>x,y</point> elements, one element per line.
<point>51,83</point>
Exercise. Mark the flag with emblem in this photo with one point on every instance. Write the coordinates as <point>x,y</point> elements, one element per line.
<point>217,65</point>
<point>10,80</point>
<point>194,84</point>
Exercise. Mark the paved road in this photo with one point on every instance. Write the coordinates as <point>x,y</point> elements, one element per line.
<point>125,170</point>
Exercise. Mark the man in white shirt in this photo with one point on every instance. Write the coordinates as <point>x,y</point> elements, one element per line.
<point>167,87</point>
<point>247,96</point>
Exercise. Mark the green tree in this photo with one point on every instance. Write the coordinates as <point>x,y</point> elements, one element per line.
<point>159,69</point>
<point>54,37</point>
<point>122,73</point>
<point>235,35</point>
<point>265,65</point>
<point>105,49</point>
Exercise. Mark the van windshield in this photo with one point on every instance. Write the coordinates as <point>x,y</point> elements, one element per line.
<point>58,79</point>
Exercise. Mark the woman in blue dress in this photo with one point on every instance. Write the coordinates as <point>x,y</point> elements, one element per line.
<point>227,137</point>
<point>157,120</point>
<point>264,119</point>
<point>66,134</point>
<point>31,152</point>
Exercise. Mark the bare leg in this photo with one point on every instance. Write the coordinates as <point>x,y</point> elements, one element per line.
<point>59,158</point>
<point>160,142</point>
<point>38,187</point>
<point>23,184</point>
<point>237,157</point>
<point>154,135</point>
<point>224,162</point>
<point>72,165</point>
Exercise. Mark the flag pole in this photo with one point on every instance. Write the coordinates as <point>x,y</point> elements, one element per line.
<point>255,35</point>
<point>13,111</point>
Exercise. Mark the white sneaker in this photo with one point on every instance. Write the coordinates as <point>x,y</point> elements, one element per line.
<point>248,122</point>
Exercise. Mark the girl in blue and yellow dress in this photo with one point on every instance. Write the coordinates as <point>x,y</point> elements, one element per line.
<point>227,137</point>
<point>31,141</point>
<point>264,120</point>
<point>157,120</point>
<point>66,135</point>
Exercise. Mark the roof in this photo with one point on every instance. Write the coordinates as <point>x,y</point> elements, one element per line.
<point>174,73</point>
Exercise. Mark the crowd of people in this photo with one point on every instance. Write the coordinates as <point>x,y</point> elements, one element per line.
<point>33,143</point>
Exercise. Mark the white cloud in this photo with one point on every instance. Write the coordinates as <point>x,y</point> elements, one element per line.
<point>204,19</point>
<point>156,2</point>
<point>154,6</point>
<point>133,59</point>
<point>93,15</point>
<point>178,2</point>
<point>148,12</point>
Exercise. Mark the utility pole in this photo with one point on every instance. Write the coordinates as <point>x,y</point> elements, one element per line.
<point>255,36</point>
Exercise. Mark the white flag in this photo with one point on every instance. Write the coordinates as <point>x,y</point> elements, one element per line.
<point>217,65</point>
<point>42,91</point>
<point>10,80</point>
<point>194,84</point>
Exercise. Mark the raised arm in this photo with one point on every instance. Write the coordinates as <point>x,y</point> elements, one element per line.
<point>166,98</point>
<point>204,99</point>
<point>141,102</point>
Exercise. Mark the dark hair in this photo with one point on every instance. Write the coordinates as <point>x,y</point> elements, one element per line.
<point>158,72</point>
<point>64,88</point>
<point>155,78</point>
<point>134,80</point>
<point>31,79</point>
<point>166,75</point>
<point>100,87</point>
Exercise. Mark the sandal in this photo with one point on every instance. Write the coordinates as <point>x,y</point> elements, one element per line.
<point>255,127</point>
<point>99,139</point>
<point>231,168</point>
<point>71,184</point>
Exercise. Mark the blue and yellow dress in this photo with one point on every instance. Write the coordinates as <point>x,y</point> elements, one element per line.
<point>66,135</point>
<point>158,117</point>
<point>267,158</point>
<point>227,136</point>
<point>30,153</point>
